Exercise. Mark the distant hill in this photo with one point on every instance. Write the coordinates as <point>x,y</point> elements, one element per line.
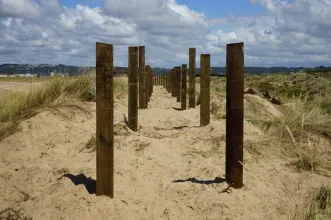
<point>41,69</point>
<point>46,69</point>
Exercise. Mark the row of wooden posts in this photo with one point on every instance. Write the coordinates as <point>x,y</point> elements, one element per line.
<point>141,81</point>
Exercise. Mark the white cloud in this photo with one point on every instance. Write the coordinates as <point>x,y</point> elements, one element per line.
<point>44,31</point>
<point>19,8</point>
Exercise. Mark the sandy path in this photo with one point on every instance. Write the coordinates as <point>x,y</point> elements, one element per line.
<point>41,164</point>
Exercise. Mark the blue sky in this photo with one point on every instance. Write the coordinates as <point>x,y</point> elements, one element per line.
<point>211,8</point>
<point>274,32</point>
<point>220,8</point>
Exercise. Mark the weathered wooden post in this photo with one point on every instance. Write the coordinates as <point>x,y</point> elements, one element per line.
<point>173,82</point>
<point>152,80</point>
<point>104,120</point>
<point>149,82</point>
<point>183,103</point>
<point>204,89</point>
<point>163,80</point>
<point>234,113</point>
<point>166,75</point>
<point>178,82</point>
<point>192,54</point>
<point>169,82</point>
<point>133,89</point>
<point>142,78</point>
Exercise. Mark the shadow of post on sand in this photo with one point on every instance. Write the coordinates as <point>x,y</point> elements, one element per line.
<point>217,180</point>
<point>89,183</point>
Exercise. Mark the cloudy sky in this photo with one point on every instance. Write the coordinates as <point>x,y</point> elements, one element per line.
<point>274,32</point>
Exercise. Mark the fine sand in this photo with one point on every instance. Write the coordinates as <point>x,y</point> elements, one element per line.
<point>170,169</point>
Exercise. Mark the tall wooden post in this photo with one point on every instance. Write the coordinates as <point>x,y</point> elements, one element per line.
<point>192,54</point>
<point>169,82</point>
<point>204,89</point>
<point>142,78</point>
<point>162,80</point>
<point>183,100</point>
<point>173,82</point>
<point>234,113</point>
<point>149,82</point>
<point>152,80</point>
<point>151,75</point>
<point>133,89</point>
<point>178,82</point>
<point>104,120</point>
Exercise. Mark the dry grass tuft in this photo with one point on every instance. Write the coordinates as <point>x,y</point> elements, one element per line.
<point>58,92</point>
<point>316,207</point>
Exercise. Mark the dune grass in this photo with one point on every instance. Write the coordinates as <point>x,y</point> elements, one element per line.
<point>56,92</point>
<point>24,79</point>
<point>16,106</point>
<point>302,136</point>
<point>304,133</point>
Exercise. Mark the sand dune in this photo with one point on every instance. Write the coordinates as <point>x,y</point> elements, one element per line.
<point>170,169</point>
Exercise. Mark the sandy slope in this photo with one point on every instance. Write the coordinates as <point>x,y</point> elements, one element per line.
<point>41,164</point>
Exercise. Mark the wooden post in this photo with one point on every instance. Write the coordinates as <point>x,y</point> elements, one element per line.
<point>204,89</point>
<point>173,82</point>
<point>104,120</point>
<point>149,82</point>
<point>234,113</point>
<point>142,78</point>
<point>192,54</point>
<point>178,82</point>
<point>166,81</point>
<point>163,78</point>
<point>169,82</point>
<point>183,101</point>
<point>152,80</point>
<point>133,89</point>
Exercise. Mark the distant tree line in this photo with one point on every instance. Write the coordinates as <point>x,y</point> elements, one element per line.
<point>45,69</point>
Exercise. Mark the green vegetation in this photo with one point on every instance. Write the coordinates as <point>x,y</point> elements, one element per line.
<point>56,92</point>
<point>15,107</point>
<point>306,121</point>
